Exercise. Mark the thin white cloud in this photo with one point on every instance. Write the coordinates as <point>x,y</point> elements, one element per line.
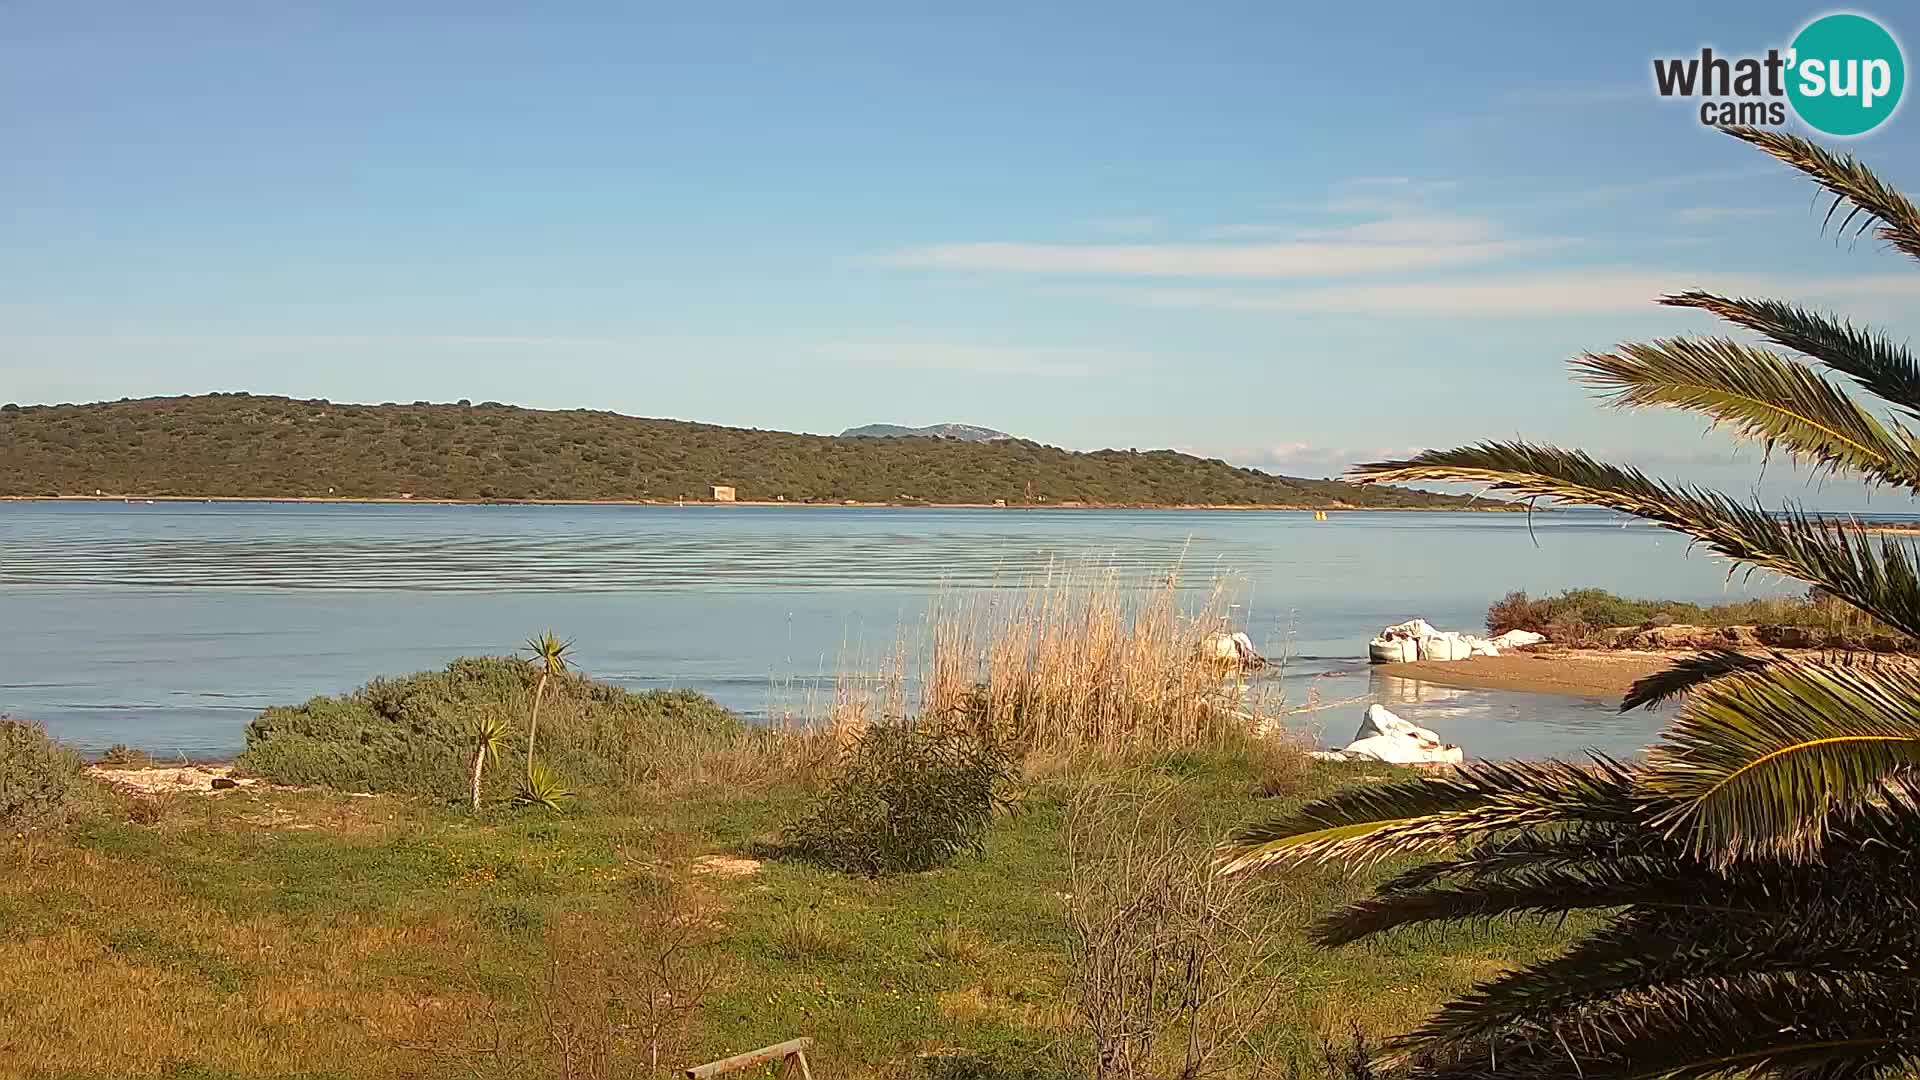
<point>1557,96</point>
<point>1398,229</point>
<point>1316,460</point>
<point>302,341</point>
<point>1428,229</point>
<point>1250,230</point>
<point>1377,196</point>
<point>1304,258</point>
<point>1124,225</point>
<point>1044,361</point>
<point>1313,459</point>
<point>1722,450</point>
<point>1567,292</point>
<point>1302,458</point>
<point>1707,215</point>
<point>1581,198</point>
<point>1366,225</point>
<point>1416,186</point>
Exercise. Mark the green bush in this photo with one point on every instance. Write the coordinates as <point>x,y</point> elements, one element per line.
<point>1577,617</point>
<point>408,735</point>
<point>904,798</point>
<point>39,778</point>
<point>1516,611</point>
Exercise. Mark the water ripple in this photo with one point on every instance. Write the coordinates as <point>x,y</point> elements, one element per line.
<point>570,562</point>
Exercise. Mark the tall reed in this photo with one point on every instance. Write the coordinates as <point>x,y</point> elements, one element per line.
<point>1081,659</point>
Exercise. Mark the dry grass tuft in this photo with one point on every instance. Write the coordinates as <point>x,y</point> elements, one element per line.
<point>805,937</point>
<point>953,943</point>
<point>148,809</point>
<point>1082,660</point>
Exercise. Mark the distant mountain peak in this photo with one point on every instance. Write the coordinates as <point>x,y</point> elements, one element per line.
<point>963,432</point>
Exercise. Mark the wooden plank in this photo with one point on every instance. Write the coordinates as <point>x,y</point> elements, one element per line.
<point>748,1059</point>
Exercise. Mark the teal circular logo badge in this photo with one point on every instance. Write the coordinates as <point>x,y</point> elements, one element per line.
<point>1846,75</point>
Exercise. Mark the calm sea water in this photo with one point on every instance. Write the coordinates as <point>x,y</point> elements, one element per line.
<point>166,626</point>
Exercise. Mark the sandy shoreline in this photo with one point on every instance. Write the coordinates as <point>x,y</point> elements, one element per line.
<point>1594,673</point>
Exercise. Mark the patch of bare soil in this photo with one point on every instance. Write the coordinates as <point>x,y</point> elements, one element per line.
<point>170,779</point>
<point>731,866</point>
<point>1596,673</point>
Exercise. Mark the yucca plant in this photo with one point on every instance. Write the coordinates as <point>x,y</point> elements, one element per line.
<point>486,739</point>
<point>549,654</point>
<point>1757,873</point>
<point>542,787</point>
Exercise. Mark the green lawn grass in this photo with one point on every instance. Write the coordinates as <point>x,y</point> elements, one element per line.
<point>313,933</point>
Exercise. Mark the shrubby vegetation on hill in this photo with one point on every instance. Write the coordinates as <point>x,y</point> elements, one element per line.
<point>410,735</point>
<point>241,445</point>
<point>1581,617</point>
<point>39,778</point>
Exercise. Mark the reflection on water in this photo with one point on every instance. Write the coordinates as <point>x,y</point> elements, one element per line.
<point>1497,724</point>
<point>1396,692</point>
<point>571,549</point>
<point>168,625</point>
<point>1333,698</point>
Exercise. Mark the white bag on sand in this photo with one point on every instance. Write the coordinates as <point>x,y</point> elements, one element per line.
<point>1393,650</point>
<point>1379,720</point>
<point>1446,646</point>
<point>1385,737</point>
<point>1418,640</point>
<point>1412,628</point>
<point>1518,639</point>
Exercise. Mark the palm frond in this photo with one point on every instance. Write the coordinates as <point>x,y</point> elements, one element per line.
<point>1757,877</point>
<point>1681,921</point>
<point>1880,579</point>
<point>1873,360</point>
<point>1858,871</point>
<point>1686,674</point>
<point>1649,949</point>
<point>1871,200</point>
<point>1753,1024</point>
<point>1575,845</point>
<point>1366,824</point>
<point>1762,396</point>
<point>1629,881</point>
<point>1759,762</point>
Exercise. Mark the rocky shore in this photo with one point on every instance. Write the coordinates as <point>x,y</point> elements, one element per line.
<point>1607,662</point>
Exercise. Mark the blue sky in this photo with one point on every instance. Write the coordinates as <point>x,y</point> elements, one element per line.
<point>1288,235</point>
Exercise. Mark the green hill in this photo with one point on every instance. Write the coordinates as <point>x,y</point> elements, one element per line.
<point>239,445</point>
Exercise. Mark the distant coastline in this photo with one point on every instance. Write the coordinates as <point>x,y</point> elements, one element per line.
<point>217,445</point>
<point>845,504</point>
